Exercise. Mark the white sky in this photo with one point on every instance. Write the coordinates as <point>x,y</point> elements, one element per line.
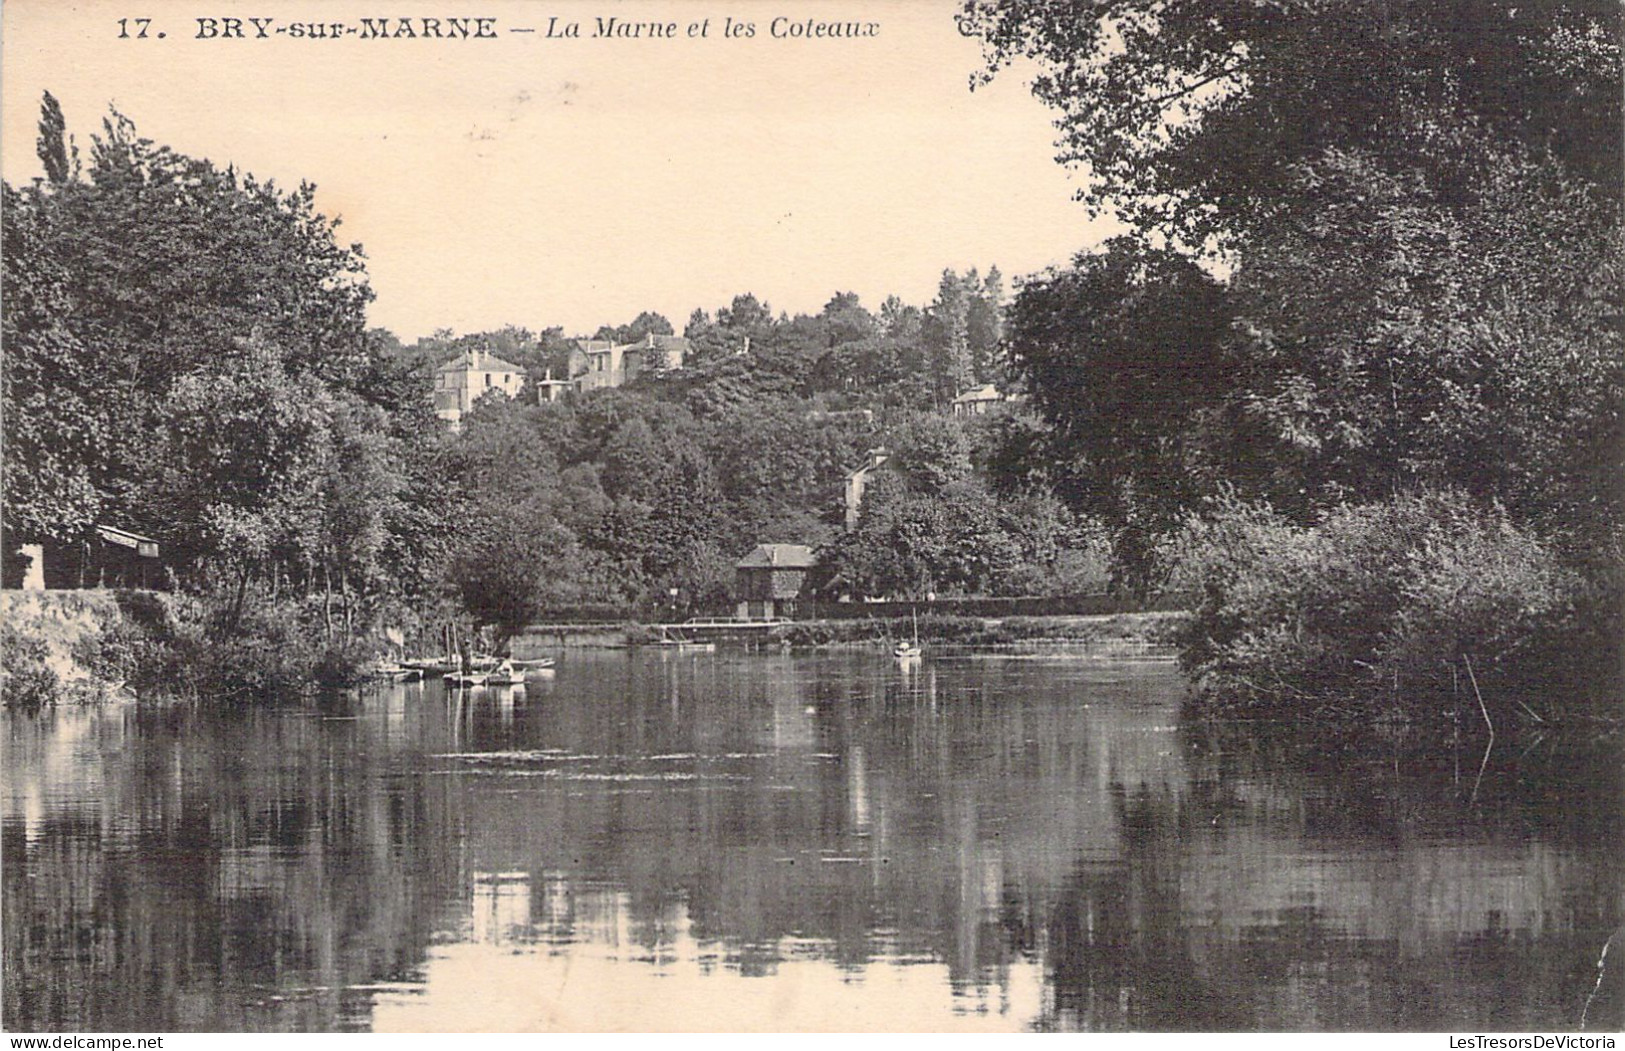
<point>577,182</point>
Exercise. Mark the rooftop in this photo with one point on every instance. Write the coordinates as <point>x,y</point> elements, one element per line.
<point>779,556</point>
<point>484,361</point>
<point>986,392</point>
<point>604,346</point>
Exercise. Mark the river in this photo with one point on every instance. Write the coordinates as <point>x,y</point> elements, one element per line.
<point>790,842</point>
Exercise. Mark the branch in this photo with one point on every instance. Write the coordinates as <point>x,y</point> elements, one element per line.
<point>1161,101</point>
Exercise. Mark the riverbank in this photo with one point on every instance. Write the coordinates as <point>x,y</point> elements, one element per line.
<point>54,646</point>
<point>1149,629</point>
<point>87,645</point>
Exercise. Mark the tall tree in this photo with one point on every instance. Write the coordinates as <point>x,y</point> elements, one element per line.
<point>1420,203</point>
<point>53,144</point>
<point>984,327</point>
<point>1123,355</point>
<point>648,323</point>
<point>56,435</point>
<point>947,334</point>
<point>153,265</point>
<point>1192,116</point>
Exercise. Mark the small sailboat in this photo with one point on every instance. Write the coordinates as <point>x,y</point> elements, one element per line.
<point>472,677</point>
<point>909,649</point>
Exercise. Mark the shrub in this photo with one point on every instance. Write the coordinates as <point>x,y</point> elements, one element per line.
<point>1380,606</point>
<point>27,681</point>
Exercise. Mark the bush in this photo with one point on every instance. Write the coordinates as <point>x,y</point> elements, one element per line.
<point>1379,607</point>
<point>27,681</point>
<point>199,644</point>
<point>276,649</point>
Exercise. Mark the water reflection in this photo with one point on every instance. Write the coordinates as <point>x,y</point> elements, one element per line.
<point>783,842</point>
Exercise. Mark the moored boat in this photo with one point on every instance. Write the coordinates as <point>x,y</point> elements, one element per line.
<point>392,671</point>
<point>535,664</point>
<point>505,674</point>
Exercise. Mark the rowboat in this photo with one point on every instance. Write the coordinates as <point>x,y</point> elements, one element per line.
<point>391,671</point>
<point>430,665</point>
<point>505,674</point>
<point>535,664</point>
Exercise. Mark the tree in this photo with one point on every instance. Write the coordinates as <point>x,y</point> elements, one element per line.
<point>503,559</point>
<point>187,355</point>
<point>658,475</point>
<point>931,450</point>
<point>53,146</point>
<point>898,320</point>
<point>1192,116</point>
<point>1395,339</point>
<point>746,312</point>
<point>1124,357</point>
<point>1420,202</point>
<point>913,544</point>
<point>984,327</point>
<point>962,330</point>
<point>150,264</point>
<point>55,437</point>
<point>239,460</point>
<point>645,324</point>
<point>947,333</point>
<point>780,470</point>
<point>845,320</point>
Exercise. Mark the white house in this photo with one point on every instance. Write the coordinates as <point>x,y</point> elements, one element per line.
<point>978,400</point>
<point>464,380</point>
<point>598,363</point>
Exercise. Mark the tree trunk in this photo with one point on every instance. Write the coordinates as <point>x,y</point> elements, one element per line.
<point>327,601</point>
<point>237,602</point>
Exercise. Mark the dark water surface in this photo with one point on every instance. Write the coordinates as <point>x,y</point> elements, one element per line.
<point>787,842</point>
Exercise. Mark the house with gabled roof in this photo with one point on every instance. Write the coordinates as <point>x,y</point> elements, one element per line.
<point>857,480</point>
<point>596,363</point>
<point>467,378</point>
<point>979,401</point>
<point>773,580</point>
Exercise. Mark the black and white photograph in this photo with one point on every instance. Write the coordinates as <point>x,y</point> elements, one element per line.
<point>812,516</point>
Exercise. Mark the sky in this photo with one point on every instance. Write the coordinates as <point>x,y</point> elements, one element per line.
<point>576,182</point>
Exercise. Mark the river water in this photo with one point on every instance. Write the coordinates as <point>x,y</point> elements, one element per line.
<point>791,842</point>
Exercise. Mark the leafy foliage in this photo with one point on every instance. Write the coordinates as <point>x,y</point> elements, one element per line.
<point>1193,117</point>
<point>187,356</point>
<point>1381,606</point>
<point>1418,204</point>
<point>1124,357</point>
